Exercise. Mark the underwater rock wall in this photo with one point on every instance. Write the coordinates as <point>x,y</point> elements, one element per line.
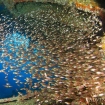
<point>11,3</point>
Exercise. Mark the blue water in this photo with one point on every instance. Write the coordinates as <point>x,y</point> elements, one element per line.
<point>8,92</point>
<point>2,7</point>
<point>18,40</point>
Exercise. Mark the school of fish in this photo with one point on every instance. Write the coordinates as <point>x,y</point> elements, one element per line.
<point>57,47</point>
